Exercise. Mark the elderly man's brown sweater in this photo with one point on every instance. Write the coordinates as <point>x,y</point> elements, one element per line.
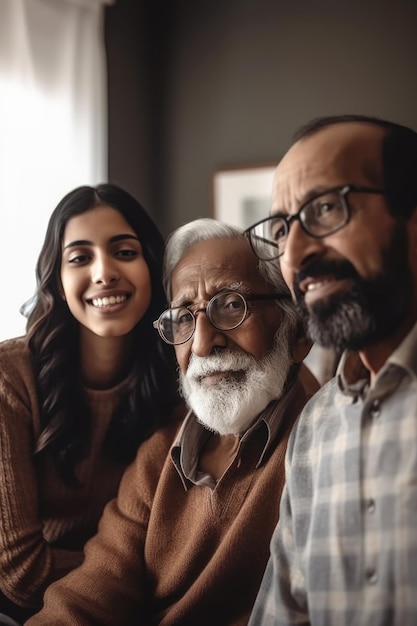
<point>172,552</point>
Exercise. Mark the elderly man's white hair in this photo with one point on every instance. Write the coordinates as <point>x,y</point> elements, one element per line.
<point>181,240</point>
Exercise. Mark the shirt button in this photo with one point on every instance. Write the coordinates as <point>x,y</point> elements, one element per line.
<point>371,576</point>
<point>370,505</point>
<point>375,408</point>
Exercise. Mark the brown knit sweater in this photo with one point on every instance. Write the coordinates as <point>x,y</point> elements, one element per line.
<point>173,553</point>
<point>43,524</point>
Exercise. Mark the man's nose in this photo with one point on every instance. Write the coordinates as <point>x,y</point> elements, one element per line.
<point>300,247</point>
<point>206,336</point>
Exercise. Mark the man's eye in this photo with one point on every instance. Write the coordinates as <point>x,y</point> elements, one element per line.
<point>230,302</point>
<point>234,305</point>
<point>278,231</point>
<point>323,208</point>
<point>184,317</point>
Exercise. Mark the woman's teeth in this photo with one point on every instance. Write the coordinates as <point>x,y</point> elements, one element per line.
<point>99,302</point>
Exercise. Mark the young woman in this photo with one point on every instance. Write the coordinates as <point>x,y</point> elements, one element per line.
<point>88,383</point>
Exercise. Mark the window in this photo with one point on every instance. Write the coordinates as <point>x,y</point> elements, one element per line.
<point>53,121</point>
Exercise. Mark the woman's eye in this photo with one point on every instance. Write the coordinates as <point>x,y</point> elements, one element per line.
<point>78,259</point>
<point>127,253</point>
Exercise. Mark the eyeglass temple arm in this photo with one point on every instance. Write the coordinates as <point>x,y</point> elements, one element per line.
<point>252,236</point>
<point>270,296</point>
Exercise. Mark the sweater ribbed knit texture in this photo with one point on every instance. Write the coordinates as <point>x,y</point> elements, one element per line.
<point>43,524</point>
<point>170,556</point>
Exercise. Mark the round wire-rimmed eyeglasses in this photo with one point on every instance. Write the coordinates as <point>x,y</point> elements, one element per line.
<point>226,310</point>
<point>322,214</point>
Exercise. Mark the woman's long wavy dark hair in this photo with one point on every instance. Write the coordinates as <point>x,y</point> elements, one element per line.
<point>53,339</point>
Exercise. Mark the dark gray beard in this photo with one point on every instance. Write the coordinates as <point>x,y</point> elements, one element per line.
<point>371,311</point>
<point>349,326</point>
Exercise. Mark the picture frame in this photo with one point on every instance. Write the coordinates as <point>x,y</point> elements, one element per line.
<point>242,195</point>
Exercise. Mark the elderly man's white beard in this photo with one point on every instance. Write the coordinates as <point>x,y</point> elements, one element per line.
<point>230,406</point>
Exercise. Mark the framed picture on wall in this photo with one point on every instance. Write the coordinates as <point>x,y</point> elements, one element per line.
<point>242,195</point>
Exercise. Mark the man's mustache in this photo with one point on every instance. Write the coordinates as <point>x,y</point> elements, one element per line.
<point>339,269</point>
<point>225,361</point>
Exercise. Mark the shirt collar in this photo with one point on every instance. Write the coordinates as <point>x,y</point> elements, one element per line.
<point>405,355</point>
<point>353,377</point>
<point>193,435</point>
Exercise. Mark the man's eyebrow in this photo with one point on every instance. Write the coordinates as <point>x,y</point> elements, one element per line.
<point>317,191</point>
<point>237,286</point>
<point>309,195</point>
<point>114,239</point>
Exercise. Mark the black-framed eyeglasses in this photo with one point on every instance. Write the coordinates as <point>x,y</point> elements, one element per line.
<point>226,310</point>
<point>322,215</point>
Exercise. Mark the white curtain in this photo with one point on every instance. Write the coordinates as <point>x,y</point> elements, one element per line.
<point>53,122</point>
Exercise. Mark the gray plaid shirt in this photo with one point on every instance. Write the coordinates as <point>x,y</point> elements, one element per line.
<point>345,550</point>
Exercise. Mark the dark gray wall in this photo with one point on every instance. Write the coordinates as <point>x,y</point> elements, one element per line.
<point>196,86</point>
<point>128,97</point>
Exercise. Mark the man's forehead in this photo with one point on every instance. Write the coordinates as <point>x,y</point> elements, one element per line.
<point>213,266</point>
<point>335,155</point>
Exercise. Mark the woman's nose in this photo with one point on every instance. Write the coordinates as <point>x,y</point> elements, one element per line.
<point>105,271</point>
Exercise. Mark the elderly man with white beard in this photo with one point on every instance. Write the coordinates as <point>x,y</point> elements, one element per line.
<point>187,539</point>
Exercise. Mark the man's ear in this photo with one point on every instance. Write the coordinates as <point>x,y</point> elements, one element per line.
<point>301,344</point>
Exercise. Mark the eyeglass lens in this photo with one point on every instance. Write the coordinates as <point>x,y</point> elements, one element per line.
<point>319,217</point>
<point>267,237</point>
<point>225,311</point>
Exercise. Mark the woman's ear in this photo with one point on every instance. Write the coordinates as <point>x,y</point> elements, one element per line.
<point>301,344</point>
